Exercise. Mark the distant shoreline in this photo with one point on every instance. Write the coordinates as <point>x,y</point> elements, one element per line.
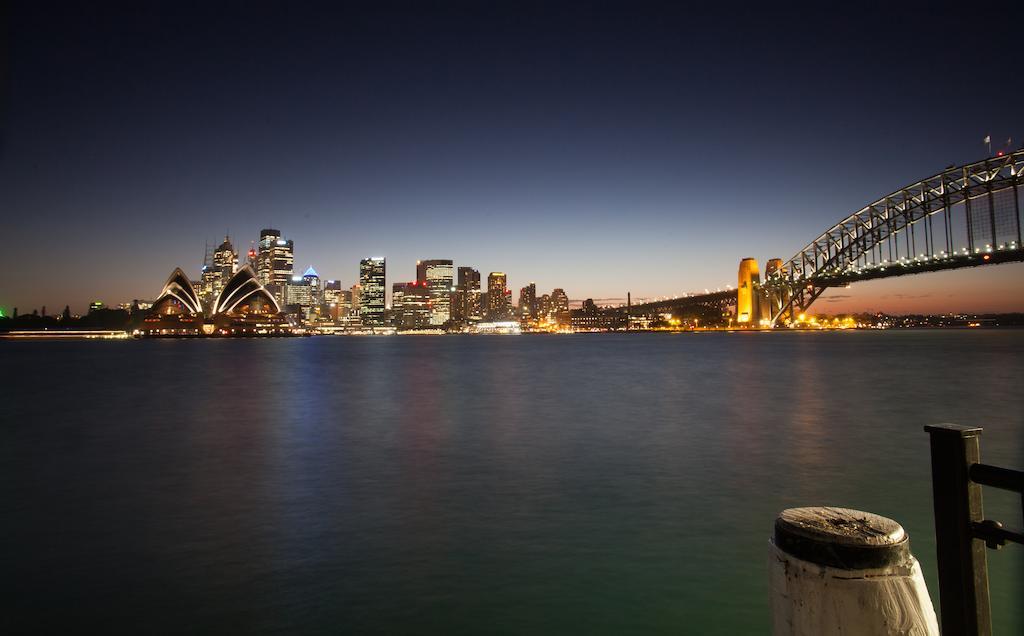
<point>52,335</point>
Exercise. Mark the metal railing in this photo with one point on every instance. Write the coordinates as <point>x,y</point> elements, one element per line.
<point>961,531</point>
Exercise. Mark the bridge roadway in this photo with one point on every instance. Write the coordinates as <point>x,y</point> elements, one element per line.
<point>720,299</point>
<point>727,298</point>
<point>957,261</point>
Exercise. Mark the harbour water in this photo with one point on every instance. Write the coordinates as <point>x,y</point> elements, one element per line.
<point>586,484</point>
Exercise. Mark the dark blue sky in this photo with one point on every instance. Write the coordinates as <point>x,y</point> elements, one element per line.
<point>599,148</point>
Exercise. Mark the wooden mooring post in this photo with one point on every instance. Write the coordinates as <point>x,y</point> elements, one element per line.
<point>961,530</point>
<point>836,571</point>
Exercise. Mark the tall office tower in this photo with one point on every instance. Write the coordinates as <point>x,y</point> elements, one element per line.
<point>299,292</point>
<point>748,282</point>
<point>528,302</point>
<point>332,293</point>
<point>275,260</point>
<point>225,260</point>
<point>218,268</point>
<point>560,305</point>
<point>207,286</point>
<point>410,305</point>
<point>355,297</point>
<point>397,301</point>
<point>437,275</point>
<point>371,280</point>
<point>466,300</point>
<point>497,298</point>
<point>316,295</point>
<point>332,289</point>
<point>544,311</point>
<point>264,257</point>
<point>458,315</point>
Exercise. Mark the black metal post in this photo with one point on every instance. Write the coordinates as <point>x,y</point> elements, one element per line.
<point>963,565</point>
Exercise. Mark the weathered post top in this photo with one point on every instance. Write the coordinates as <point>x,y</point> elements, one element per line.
<point>843,572</point>
<point>953,430</point>
<point>842,538</point>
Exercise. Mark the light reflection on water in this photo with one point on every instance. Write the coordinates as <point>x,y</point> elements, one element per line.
<point>550,484</point>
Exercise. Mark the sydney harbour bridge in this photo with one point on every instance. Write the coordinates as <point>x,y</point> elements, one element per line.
<point>966,216</point>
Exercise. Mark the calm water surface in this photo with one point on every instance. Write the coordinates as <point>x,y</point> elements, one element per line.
<point>589,484</point>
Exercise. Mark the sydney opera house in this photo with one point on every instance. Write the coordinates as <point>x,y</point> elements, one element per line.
<point>242,308</point>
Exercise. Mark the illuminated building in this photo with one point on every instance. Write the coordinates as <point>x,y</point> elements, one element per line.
<point>747,292</point>
<point>305,293</point>
<point>503,327</point>
<point>497,297</point>
<point>275,260</point>
<point>332,289</point>
<point>225,262</point>
<point>298,293</point>
<point>411,305</point>
<point>177,310</point>
<point>97,305</point>
<point>208,284</point>
<point>466,302</point>
<point>243,307</point>
<point>590,318</point>
<point>528,302</point>
<point>218,268</point>
<point>437,276</point>
<point>372,291</point>
<point>544,311</point>
<point>560,306</point>
<point>316,297</point>
<point>354,299</point>
<point>334,299</point>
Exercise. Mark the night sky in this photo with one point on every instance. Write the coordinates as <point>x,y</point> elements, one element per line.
<point>600,148</point>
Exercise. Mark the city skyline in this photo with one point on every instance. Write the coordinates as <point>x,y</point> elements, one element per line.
<point>975,289</point>
<point>603,152</point>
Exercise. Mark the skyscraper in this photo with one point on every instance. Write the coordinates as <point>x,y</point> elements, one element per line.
<point>560,306</point>
<point>528,302</point>
<point>544,310</point>
<point>316,295</point>
<point>275,260</point>
<point>298,292</point>
<point>372,281</point>
<point>466,305</point>
<point>225,261</point>
<point>437,276</point>
<point>334,299</point>
<point>355,299</point>
<point>217,271</point>
<point>497,297</point>
<point>208,284</point>
<point>410,305</point>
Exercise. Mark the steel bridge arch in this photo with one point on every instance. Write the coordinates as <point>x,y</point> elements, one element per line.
<point>866,244</point>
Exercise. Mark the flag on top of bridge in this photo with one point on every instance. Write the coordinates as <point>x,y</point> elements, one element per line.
<point>988,139</point>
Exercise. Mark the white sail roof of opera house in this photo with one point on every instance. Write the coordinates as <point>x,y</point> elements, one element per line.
<point>243,287</point>
<point>179,287</point>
